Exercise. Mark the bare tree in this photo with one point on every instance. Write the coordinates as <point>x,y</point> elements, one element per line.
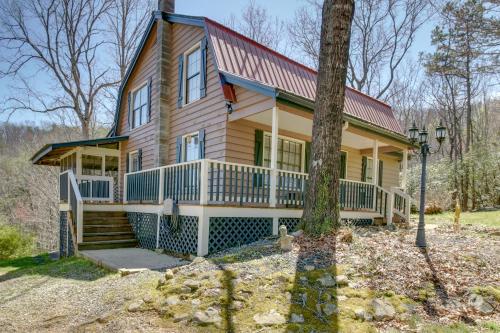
<point>321,211</point>
<point>64,40</point>
<point>382,33</point>
<point>257,24</point>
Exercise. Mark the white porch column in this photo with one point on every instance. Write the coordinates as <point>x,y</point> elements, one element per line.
<point>274,157</point>
<point>405,169</point>
<point>375,163</point>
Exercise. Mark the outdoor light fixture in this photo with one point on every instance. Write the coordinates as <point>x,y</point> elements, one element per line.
<point>229,107</point>
<point>422,136</point>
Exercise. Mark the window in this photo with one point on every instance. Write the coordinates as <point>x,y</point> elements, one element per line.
<point>368,174</point>
<point>369,170</point>
<point>193,76</point>
<point>191,147</point>
<point>290,153</point>
<point>111,166</point>
<point>133,160</point>
<point>91,165</point>
<point>140,103</point>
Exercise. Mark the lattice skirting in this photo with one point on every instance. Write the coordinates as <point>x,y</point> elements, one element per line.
<point>226,232</point>
<point>144,227</point>
<point>66,246</point>
<point>357,222</point>
<point>184,240</point>
<point>291,223</point>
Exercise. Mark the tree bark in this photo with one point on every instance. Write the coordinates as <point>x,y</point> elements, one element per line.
<point>321,211</point>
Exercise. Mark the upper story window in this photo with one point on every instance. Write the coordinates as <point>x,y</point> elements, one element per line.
<point>134,161</point>
<point>193,75</point>
<point>290,153</point>
<point>140,103</point>
<point>191,145</point>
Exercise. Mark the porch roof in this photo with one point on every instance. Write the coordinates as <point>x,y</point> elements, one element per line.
<point>51,153</point>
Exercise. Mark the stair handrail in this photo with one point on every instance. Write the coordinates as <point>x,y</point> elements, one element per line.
<point>76,205</point>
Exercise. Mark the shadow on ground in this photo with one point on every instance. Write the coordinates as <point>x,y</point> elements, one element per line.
<point>66,268</point>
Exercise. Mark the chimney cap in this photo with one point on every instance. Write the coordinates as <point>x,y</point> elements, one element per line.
<point>167,6</point>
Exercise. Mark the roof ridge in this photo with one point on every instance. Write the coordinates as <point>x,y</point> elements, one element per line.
<point>284,57</point>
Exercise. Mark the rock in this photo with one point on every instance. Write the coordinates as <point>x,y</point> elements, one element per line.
<point>341,298</point>
<point>297,318</point>
<point>135,306</point>
<point>297,233</point>
<point>327,281</point>
<point>169,274</point>
<point>195,302</point>
<point>288,296</point>
<point>309,268</point>
<point>269,319</point>
<point>192,284</point>
<point>237,305</point>
<point>209,316</point>
<point>129,271</point>
<point>318,308</point>
<point>363,315</point>
<point>342,280</point>
<point>212,292</point>
<point>198,260</point>
<point>382,310</point>
<point>172,300</point>
<point>161,282</point>
<point>329,309</point>
<point>303,279</point>
<point>185,290</point>
<point>480,304</point>
<point>148,299</point>
<point>285,240</point>
<point>180,317</point>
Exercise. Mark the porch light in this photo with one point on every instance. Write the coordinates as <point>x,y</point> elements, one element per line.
<point>413,133</point>
<point>422,136</point>
<point>440,132</point>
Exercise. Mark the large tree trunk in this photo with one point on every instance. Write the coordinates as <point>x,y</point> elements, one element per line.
<point>321,211</point>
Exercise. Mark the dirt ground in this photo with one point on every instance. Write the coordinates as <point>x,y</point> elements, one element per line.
<point>430,290</point>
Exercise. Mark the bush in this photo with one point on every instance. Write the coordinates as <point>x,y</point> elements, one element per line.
<point>13,243</point>
<point>433,208</point>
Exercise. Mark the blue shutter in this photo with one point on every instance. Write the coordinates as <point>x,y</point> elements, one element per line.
<point>380,172</point>
<point>178,150</point>
<point>139,159</point>
<point>180,79</point>
<point>201,141</point>
<point>129,111</point>
<point>150,86</point>
<point>364,165</point>
<point>127,165</point>
<point>203,71</point>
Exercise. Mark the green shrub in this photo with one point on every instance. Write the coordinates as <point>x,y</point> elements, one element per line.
<point>13,243</point>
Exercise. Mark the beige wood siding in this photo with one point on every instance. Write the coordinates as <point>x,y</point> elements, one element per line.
<point>209,112</point>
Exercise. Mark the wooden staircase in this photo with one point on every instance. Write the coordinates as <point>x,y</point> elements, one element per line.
<point>106,230</point>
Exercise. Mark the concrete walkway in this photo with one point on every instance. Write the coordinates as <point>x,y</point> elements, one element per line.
<point>134,259</point>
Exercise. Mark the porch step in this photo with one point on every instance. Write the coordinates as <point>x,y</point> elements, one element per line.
<point>100,245</point>
<point>100,228</point>
<point>104,220</point>
<point>107,236</point>
<point>101,214</point>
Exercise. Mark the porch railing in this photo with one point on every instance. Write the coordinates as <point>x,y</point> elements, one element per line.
<point>215,182</point>
<point>96,188</point>
<point>69,192</point>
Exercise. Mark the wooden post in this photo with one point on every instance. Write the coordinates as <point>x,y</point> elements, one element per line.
<point>125,188</point>
<point>405,169</point>
<point>204,182</point>
<point>274,158</point>
<point>374,170</point>
<point>390,207</point>
<point>161,191</point>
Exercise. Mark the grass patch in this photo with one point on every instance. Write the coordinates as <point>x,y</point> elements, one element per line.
<point>488,291</point>
<point>71,268</point>
<point>489,219</point>
<point>453,328</point>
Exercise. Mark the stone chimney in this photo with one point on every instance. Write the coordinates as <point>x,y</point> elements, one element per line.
<point>167,6</point>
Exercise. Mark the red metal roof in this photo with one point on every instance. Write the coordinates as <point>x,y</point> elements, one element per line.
<point>238,55</point>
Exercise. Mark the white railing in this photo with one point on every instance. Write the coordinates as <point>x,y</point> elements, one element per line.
<point>70,194</point>
<point>96,188</point>
<point>401,203</point>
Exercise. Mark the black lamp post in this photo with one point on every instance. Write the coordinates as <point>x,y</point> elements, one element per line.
<point>421,136</point>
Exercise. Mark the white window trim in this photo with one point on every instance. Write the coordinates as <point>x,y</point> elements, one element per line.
<point>184,74</point>
<point>130,153</point>
<point>183,147</point>
<point>302,155</point>
<point>136,88</point>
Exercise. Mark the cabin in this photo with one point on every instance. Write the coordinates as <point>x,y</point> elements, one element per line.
<point>210,148</point>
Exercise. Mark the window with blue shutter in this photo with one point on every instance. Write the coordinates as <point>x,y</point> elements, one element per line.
<point>180,77</point>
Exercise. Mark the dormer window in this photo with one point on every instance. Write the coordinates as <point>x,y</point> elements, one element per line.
<point>193,75</point>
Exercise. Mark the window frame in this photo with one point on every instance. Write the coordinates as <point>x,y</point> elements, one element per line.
<point>346,159</point>
<point>184,147</point>
<point>130,160</point>
<point>186,54</point>
<point>144,84</point>
<point>303,150</point>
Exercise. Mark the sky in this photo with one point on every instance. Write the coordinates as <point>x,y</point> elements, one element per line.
<point>219,10</point>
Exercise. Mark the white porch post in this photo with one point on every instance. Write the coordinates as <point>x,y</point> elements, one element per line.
<point>204,182</point>
<point>405,169</point>
<point>375,163</point>
<point>390,207</point>
<point>274,157</point>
